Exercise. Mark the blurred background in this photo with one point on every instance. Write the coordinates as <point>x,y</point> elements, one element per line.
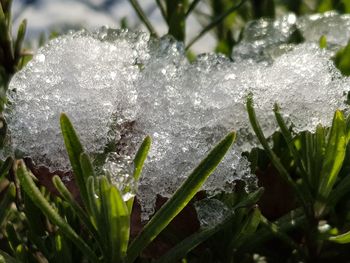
<point>59,16</point>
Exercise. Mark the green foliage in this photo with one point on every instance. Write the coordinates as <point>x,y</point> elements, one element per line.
<point>37,225</point>
<point>318,159</point>
<point>342,60</point>
<point>106,217</point>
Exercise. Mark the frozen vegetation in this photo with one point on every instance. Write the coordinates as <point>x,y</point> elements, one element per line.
<point>118,86</point>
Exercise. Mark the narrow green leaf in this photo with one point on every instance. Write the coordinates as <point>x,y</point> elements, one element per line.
<point>64,192</point>
<point>162,9</point>
<point>5,203</point>
<point>335,154</point>
<point>86,165</point>
<point>290,142</point>
<point>7,258</point>
<point>184,247</point>
<point>104,224</point>
<point>323,42</point>
<point>139,161</point>
<point>94,203</point>
<point>342,239</point>
<point>6,166</point>
<point>119,220</point>
<point>215,22</point>
<point>39,200</point>
<point>274,159</point>
<point>143,17</point>
<point>259,133</point>
<point>192,7</point>
<point>181,197</point>
<point>19,40</point>
<point>141,156</point>
<point>74,150</point>
<point>293,220</point>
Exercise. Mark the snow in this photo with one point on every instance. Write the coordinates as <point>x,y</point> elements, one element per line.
<point>119,86</point>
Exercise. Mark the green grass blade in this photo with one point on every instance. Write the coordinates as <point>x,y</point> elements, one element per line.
<point>93,203</point>
<point>289,140</point>
<point>64,192</point>
<point>141,156</point>
<point>192,7</point>
<point>86,165</point>
<point>257,129</point>
<point>119,220</point>
<point>39,200</point>
<point>184,247</point>
<point>181,197</point>
<point>74,150</point>
<point>290,143</point>
<point>5,208</point>
<point>274,159</point>
<point>292,220</point>
<point>6,166</point>
<point>139,160</point>
<point>19,40</point>
<point>335,154</point>
<point>215,22</point>
<point>323,42</point>
<point>143,17</point>
<point>7,258</point>
<point>103,222</point>
<point>342,239</point>
<point>187,245</point>
<point>162,9</point>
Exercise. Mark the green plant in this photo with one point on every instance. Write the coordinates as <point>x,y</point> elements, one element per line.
<point>105,215</point>
<point>318,159</point>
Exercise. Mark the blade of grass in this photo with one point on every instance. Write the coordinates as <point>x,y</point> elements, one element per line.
<point>335,154</point>
<point>143,17</point>
<point>181,197</point>
<point>93,203</point>
<point>191,7</point>
<point>6,166</point>
<point>64,192</point>
<point>39,200</point>
<point>19,40</point>
<point>8,198</point>
<point>7,258</point>
<point>289,140</point>
<point>341,239</point>
<point>215,22</point>
<point>257,129</point>
<point>292,220</point>
<point>74,150</point>
<point>184,247</point>
<point>162,9</point>
<point>119,219</point>
<point>139,161</point>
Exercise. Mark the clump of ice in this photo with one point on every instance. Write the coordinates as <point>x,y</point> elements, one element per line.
<point>265,39</point>
<point>211,212</point>
<point>118,86</point>
<point>335,27</point>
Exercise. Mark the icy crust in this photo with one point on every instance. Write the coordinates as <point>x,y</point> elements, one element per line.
<point>265,39</point>
<point>118,86</point>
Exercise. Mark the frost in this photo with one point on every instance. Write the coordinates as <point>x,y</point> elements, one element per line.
<point>211,212</point>
<point>117,87</point>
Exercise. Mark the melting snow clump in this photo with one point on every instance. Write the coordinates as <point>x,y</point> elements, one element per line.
<point>117,87</point>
